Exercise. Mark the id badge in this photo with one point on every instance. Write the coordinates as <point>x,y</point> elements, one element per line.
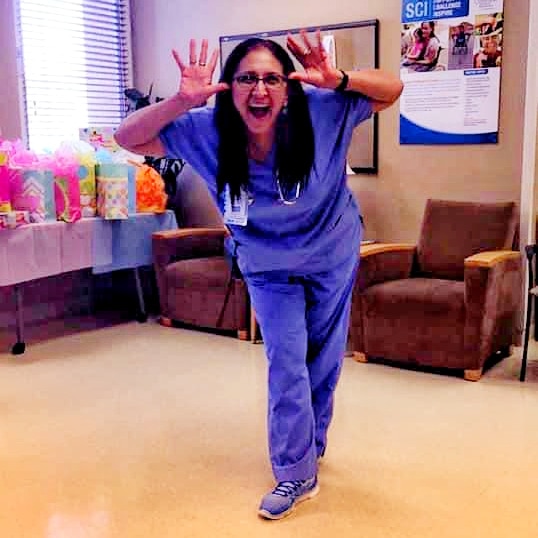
<point>235,212</point>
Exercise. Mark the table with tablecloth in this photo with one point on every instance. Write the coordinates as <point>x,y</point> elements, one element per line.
<point>44,249</point>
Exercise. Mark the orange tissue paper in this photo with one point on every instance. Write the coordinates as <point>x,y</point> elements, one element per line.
<point>150,194</point>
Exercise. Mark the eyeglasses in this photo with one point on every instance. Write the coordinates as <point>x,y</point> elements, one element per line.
<point>272,81</point>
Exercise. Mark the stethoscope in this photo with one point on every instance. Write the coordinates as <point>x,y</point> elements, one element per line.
<point>281,196</point>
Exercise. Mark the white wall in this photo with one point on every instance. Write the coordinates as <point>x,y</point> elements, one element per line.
<point>529,176</point>
<point>394,200</point>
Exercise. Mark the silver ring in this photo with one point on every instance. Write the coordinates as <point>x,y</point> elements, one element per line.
<point>307,51</point>
<point>191,62</point>
<point>202,64</point>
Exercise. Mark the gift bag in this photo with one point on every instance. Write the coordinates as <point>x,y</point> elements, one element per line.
<point>65,168</point>
<point>100,137</point>
<point>67,198</point>
<point>112,191</point>
<point>88,190</point>
<point>150,194</point>
<point>82,155</point>
<point>33,191</point>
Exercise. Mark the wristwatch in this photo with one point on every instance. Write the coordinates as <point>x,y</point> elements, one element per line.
<point>343,83</point>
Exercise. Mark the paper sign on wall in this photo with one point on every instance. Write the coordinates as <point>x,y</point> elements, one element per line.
<point>451,63</point>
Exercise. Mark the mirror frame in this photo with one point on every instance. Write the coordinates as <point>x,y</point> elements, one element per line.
<point>372,168</point>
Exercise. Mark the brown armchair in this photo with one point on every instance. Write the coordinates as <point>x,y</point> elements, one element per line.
<point>193,276</point>
<point>452,301</point>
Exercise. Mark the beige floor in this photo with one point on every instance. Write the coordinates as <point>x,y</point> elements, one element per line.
<point>136,430</point>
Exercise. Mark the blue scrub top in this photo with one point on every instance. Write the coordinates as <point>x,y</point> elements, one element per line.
<point>319,231</point>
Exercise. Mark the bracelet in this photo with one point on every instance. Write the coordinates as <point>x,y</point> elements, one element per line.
<point>343,83</point>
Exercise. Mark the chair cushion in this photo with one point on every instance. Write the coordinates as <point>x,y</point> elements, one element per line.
<point>426,295</point>
<point>452,231</point>
<point>416,319</point>
<point>202,273</point>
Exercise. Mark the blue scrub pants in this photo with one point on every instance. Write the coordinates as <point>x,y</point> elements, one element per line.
<point>304,322</point>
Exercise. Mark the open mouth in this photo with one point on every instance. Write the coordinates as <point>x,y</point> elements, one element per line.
<point>259,111</point>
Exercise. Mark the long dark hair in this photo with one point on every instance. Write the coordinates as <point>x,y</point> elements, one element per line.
<point>294,134</point>
<point>431,24</point>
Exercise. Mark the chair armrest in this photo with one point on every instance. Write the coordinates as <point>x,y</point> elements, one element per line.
<point>381,262</point>
<point>187,243</point>
<point>490,258</point>
<point>189,232</point>
<point>493,301</point>
<point>379,248</point>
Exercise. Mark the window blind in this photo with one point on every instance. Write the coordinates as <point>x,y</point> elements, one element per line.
<point>74,66</point>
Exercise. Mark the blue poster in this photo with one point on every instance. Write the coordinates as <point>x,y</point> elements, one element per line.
<point>425,10</point>
<point>451,62</point>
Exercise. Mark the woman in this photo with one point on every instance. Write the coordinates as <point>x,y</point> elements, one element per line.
<point>432,47</point>
<point>273,155</point>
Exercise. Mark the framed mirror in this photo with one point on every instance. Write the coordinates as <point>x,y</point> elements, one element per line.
<point>351,46</point>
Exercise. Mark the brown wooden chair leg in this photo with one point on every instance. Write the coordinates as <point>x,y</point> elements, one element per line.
<point>252,325</point>
<point>165,322</point>
<point>254,328</point>
<point>242,335</point>
<point>472,375</point>
<point>359,356</point>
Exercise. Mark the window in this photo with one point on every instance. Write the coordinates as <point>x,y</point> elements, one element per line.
<point>74,65</point>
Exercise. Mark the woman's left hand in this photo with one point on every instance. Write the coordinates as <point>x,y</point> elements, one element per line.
<point>318,70</point>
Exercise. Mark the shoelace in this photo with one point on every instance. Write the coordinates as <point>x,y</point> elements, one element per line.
<point>284,489</point>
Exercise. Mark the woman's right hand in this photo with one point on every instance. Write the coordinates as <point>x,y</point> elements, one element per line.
<point>139,131</point>
<point>196,76</point>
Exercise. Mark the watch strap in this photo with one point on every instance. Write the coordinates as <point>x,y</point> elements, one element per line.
<point>343,83</point>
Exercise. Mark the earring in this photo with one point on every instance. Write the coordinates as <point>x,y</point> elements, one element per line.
<point>284,110</point>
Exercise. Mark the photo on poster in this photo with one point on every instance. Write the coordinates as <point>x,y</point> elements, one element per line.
<point>424,46</point>
<point>461,45</point>
<point>489,33</point>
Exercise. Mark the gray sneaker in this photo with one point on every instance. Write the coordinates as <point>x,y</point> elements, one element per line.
<point>280,502</point>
